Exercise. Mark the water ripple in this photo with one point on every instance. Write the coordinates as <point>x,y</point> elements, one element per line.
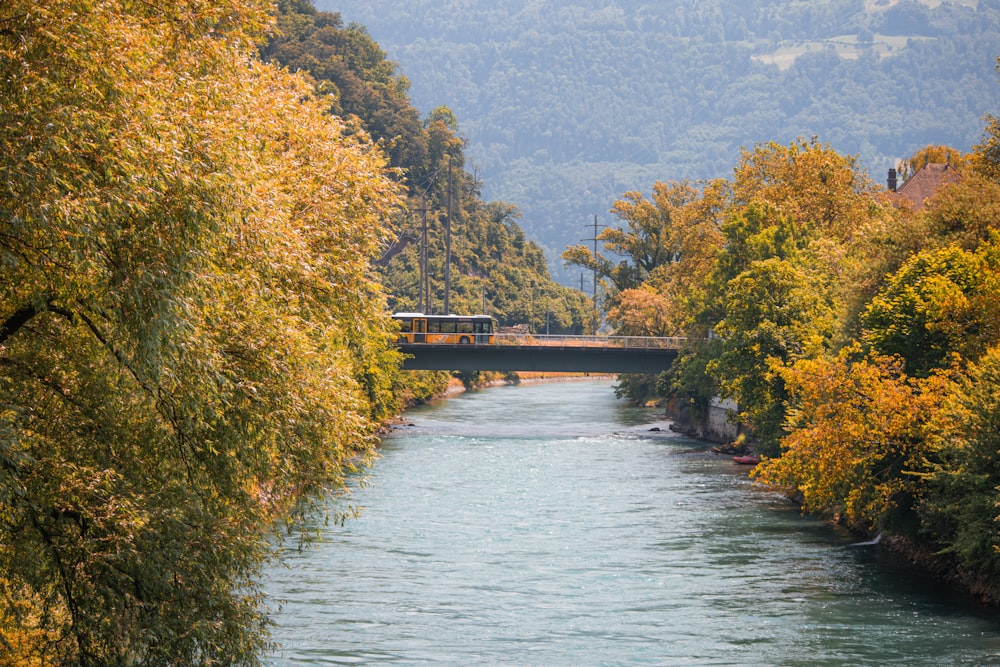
<point>547,525</point>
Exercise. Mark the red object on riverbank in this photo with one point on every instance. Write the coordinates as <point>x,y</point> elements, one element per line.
<point>747,459</point>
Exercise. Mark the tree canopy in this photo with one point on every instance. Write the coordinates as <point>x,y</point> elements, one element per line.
<point>857,333</point>
<point>192,342</point>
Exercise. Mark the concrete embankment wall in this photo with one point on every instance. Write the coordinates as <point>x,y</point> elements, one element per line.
<point>719,426</point>
<point>715,427</point>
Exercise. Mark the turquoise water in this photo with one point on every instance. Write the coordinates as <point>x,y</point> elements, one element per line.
<point>548,525</point>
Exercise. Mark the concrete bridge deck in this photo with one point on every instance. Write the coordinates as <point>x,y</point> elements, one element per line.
<point>551,354</point>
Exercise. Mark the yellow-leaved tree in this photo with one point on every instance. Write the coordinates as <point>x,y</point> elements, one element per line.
<point>856,427</point>
<point>190,340</point>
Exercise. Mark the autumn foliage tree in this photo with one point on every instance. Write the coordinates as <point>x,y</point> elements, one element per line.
<point>772,292</point>
<point>191,342</point>
<point>856,333</point>
<point>857,424</point>
<point>774,317</point>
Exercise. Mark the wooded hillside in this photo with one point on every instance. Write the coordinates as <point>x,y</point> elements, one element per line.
<point>567,105</point>
<point>494,268</point>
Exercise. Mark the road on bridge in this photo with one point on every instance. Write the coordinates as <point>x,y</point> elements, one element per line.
<point>550,354</point>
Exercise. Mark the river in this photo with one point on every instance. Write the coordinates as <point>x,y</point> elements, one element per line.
<point>549,525</point>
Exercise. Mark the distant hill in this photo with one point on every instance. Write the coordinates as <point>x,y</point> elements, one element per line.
<point>566,105</point>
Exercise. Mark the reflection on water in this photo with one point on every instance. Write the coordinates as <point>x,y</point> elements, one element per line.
<point>548,525</point>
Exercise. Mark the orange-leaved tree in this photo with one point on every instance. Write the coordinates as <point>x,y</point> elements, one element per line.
<point>856,428</point>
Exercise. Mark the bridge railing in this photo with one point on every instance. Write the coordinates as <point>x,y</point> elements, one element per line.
<point>558,340</point>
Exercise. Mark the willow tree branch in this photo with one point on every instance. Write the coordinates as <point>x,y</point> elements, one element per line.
<point>17,320</point>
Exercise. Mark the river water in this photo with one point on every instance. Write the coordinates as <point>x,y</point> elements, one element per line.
<point>549,525</point>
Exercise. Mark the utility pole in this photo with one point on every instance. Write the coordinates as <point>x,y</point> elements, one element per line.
<point>593,297</point>
<point>531,307</point>
<point>447,249</point>
<point>423,298</point>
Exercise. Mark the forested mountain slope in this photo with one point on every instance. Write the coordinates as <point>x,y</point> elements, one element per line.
<point>566,105</point>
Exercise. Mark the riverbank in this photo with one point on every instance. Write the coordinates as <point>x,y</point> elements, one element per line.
<point>944,568</point>
<point>923,557</point>
<point>457,386</point>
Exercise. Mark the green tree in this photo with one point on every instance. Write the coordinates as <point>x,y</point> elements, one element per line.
<point>939,302</point>
<point>347,64</point>
<point>986,154</point>
<point>775,292</point>
<point>959,507</point>
<point>775,315</point>
<point>986,159</point>
<point>493,266</point>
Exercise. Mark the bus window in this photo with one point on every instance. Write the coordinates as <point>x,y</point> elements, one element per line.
<point>405,326</point>
<point>448,326</point>
<point>433,326</point>
<point>465,327</point>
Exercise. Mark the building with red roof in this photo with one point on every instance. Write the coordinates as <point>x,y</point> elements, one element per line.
<point>924,183</point>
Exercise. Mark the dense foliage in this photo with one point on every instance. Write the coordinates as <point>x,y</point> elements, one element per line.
<point>858,332</point>
<point>192,345</point>
<point>569,104</point>
<point>494,268</point>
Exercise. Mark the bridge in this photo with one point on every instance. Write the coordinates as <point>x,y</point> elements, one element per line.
<point>548,354</point>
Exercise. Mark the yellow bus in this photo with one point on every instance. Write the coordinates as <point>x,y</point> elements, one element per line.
<point>456,329</point>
